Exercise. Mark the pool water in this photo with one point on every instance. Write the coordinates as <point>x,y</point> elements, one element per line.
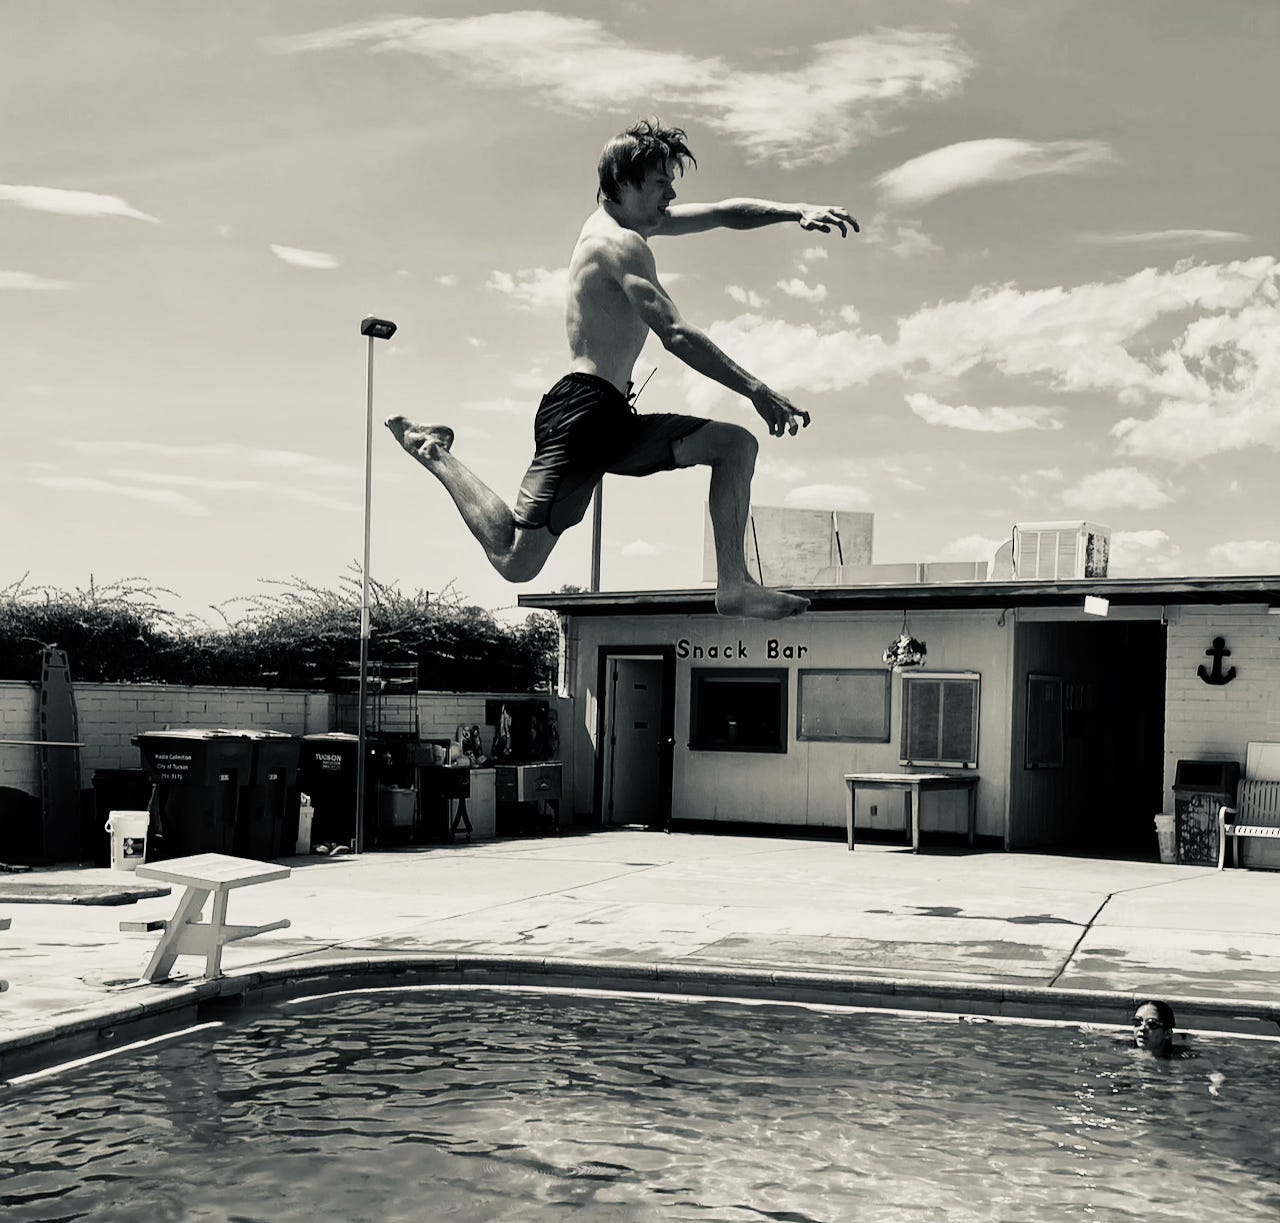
<point>447,1105</point>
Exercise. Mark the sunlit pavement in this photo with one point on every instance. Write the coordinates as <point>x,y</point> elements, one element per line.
<point>942,916</point>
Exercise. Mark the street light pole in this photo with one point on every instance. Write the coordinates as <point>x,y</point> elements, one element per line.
<point>375,329</point>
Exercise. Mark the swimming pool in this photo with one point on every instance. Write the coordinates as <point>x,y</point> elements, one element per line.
<point>477,1104</point>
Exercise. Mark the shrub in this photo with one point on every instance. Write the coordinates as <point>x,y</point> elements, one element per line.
<point>291,635</point>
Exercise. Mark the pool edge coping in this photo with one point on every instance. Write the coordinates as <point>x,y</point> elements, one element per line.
<point>118,1019</point>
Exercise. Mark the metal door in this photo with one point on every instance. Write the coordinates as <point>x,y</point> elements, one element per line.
<point>634,776</point>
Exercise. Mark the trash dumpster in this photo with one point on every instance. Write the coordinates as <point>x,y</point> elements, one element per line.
<point>198,775</point>
<point>267,826</point>
<point>113,790</point>
<point>1200,787</point>
<point>327,769</point>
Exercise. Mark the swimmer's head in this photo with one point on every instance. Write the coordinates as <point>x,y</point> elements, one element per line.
<point>630,155</point>
<point>1153,1027</point>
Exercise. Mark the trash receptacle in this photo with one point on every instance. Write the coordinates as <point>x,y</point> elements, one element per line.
<point>267,826</point>
<point>198,775</point>
<point>1165,837</point>
<point>1200,787</point>
<point>327,769</point>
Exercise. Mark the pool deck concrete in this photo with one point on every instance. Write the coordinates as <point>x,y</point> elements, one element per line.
<point>948,920</point>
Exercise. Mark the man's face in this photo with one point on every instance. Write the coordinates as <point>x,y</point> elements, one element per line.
<point>653,196</point>
<point>1148,1032</point>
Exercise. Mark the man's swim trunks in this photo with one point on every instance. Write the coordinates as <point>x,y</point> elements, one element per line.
<point>586,427</point>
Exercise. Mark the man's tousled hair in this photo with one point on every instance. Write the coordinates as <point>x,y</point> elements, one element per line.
<point>631,154</point>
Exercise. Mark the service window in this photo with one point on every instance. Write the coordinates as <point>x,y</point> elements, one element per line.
<point>940,719</point>
<point>846,706</point>
<point>738,709</point>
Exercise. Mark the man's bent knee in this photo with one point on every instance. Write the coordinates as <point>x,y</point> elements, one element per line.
<point>527,556</point>
<point>718,442</point>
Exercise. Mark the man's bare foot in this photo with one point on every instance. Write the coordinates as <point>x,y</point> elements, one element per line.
<point>759,603</point>
<point>425,442</point>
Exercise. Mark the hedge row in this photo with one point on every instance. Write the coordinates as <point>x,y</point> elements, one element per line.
<point>292,635</point>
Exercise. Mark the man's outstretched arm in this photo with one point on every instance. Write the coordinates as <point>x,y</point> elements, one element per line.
<point>639,280</point>
<point>754,214</point>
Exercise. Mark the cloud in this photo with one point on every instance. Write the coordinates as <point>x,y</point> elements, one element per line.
<point>1190,353</point>
<point>204,456</point>
<point>514,407</point>
<point>825,102</point>
<point>240,487</point>
<point>813,254</point>
<point>828,497</point>
<point>1164,237</point>
<point>447,281</point>
<point>533,288</point>
<point>745,297</point>
<point>1035,483</point>
<point>972,548</point>
<point>26,280</point>
<point>639,547</point>
<point>1248,555</point>
<point>981,420</point>
<point>905,239</point>
<point>972,162</point>
<point>72,203</point>
<point>318,260</point>
<point>1214,383</point>
<point>805,292</point>
<point>1116,488</point>
<point>178,503</point>
<point>792,357</point>
<point>1143,553</point>
<point>1217,385</point>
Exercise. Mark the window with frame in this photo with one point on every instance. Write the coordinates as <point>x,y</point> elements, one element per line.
<point>738,709</point>
<point>845,706</point>
<point>940,719</point>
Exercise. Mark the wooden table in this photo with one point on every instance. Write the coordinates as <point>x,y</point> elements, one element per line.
<point>912,785</point>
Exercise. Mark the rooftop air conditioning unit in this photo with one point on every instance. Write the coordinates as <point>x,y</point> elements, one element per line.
<point>1060,551</point>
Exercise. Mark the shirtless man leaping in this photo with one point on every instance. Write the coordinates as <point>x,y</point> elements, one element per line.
<point>586,426</point>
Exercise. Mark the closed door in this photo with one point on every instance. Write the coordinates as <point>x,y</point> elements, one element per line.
<point>635,741</point>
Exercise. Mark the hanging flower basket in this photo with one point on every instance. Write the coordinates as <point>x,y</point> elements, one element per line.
<point>905,651</point>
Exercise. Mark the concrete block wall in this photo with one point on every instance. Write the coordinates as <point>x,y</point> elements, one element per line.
<point>1218,722</point>
<point>110,715</point>
<point>1211,722</point>
<point>19,714</point>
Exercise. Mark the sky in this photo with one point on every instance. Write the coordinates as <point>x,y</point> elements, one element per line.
<point>1064,302</point>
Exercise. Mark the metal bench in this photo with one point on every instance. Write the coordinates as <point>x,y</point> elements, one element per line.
<point>1256,814</point>
<point>204,875</point>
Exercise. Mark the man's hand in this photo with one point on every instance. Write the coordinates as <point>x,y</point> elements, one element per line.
<point>818,216</point>
<point>779,413</point>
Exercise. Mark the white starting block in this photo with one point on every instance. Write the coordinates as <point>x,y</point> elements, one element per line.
<point>5,923</point>
<point>184,934</point>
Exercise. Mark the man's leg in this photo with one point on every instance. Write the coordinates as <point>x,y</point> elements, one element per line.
<point>730,452</point>
<point>516,552</point>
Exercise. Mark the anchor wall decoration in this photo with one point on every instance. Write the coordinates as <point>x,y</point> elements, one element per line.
<point>1218,652</point>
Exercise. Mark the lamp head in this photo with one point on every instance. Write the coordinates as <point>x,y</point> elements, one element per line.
<point>378,328</point>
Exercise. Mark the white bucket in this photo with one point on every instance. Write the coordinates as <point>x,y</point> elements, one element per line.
<point>128,831</point>
<point>1164,830</point>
